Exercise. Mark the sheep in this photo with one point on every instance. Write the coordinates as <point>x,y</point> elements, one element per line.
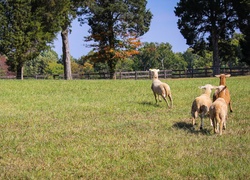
<point>201,105</point>
<point>226,96</point>
<point>218,111</point>
<point>160,88</point>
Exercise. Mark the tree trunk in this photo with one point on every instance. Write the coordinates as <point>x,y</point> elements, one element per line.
<point>216,59</point>
<point>112,64</point>
<point>66,54</point>
<point>19,74</point>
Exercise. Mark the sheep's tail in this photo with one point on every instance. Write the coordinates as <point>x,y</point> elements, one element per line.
<point>195,106</point>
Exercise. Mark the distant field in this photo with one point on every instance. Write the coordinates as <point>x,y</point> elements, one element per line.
<point>112,129</point>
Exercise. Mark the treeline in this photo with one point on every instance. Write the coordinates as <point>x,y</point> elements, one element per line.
<point>156,55</point>
<point>28,27</point>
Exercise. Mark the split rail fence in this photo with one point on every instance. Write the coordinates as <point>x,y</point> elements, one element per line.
<point>191,73</point>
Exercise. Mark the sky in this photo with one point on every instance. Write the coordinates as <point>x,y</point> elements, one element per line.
<point>163,29</point>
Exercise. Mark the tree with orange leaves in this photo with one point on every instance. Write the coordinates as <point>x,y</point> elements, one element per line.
<point>115,28</point>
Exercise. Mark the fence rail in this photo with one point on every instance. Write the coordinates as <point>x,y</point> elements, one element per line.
<point>189,73</point>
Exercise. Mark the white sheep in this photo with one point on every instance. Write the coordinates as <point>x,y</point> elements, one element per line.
<point>201,104</point>
<point>218,111</point>
<point>160,88</point>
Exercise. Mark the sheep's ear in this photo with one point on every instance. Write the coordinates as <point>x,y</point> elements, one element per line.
<point>228,75</point>
<point>217,75</point>
<point>157,70</point>
<point>201,87</point>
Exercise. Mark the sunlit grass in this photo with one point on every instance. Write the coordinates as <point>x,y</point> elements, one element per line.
<point>104,129</point>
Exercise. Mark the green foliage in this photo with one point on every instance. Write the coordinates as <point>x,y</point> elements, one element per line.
<point>155,55</point>
<point>54,68</point>
<point>204,23</point>
<point>125,65</point>
<point>26,28</point>
<point>230,50</point>
<point>113,130</point>
<point>38,65</point>
<point>196,61</point>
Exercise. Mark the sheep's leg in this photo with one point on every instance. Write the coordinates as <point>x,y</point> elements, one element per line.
<point>159,98</point>
<point>165,99</point>
<point>194,116</point>
<point>202,118</point>
<point>221,126</point>
<point>230,105</point>
<point>214,125</point>
<point>211,122</point>
<point>218,122</point>
<point>171,100</point>
<point>224,125</point>
<point>155,97</point>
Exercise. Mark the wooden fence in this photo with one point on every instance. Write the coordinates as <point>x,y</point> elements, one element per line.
<point>205,72</point>
<point>190,73</point>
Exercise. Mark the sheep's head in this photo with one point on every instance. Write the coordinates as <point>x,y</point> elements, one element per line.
<point>223,78</point>
<point>208,87</point>
<point>155,73</point>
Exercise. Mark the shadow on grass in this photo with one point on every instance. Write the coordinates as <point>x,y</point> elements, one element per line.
<point>188,127</point>
<point>147,103</point>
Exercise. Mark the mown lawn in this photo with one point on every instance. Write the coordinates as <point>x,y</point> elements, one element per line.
<point>106,129</point>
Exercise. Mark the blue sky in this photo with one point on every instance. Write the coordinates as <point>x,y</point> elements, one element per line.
<point>163,29</point>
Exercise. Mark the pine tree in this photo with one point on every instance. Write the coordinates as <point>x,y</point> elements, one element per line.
<point>27,28</point>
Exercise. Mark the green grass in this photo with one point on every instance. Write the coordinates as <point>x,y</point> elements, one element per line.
<point>104,129</point>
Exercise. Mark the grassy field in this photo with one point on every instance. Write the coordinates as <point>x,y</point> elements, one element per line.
<point>104,129</point>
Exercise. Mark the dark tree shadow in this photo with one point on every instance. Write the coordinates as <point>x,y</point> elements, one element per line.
<point>188,127</point>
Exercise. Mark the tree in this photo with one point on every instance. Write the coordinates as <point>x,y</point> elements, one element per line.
<point>243,11</point>
<point>38,65</point>
<point>204,23</point>
<point>230,50</point>
<point>26,29</point>
<point>67,10</point>
<point>196,61</point>
<point>115,26</point>
<point>158,55</point>
<point>147,58</point>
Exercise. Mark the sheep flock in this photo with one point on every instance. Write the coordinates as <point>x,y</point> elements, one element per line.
<point>216,109</point>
